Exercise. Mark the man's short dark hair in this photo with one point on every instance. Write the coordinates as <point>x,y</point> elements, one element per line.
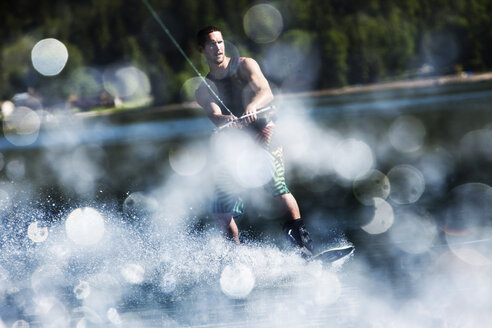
<point>201,36</point>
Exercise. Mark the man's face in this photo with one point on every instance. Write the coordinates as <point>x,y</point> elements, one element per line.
<point>214,50</point>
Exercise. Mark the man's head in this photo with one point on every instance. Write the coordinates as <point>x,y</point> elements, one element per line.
<point>202,35</point>
<point>211,44</point>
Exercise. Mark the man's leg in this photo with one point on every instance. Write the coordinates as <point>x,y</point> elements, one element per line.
<point>289,206</point>
<point>294,227</point>
<point>226,205</point>
<point>228,226</point>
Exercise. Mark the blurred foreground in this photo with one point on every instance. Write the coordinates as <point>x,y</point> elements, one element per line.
<point>105,223</point>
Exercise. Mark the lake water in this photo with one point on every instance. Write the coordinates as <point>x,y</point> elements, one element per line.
<point>105,220</point>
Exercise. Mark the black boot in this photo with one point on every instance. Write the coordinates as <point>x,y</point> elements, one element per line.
<point>299,236</point>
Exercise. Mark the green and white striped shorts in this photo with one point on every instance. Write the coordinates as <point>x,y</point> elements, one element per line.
<point>227,194</point>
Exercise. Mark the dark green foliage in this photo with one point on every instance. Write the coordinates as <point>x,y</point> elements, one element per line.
<point>349,41</point>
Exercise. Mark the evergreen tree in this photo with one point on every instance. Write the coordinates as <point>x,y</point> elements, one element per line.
<point>350,42</point>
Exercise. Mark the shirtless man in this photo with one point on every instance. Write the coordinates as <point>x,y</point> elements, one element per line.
<point>243,89</point>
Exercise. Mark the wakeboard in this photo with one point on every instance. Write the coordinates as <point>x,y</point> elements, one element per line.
<point>334,254</point>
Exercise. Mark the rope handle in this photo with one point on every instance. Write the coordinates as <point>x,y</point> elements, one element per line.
<point>239,119</point>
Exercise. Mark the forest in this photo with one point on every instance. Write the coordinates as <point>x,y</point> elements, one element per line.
<point>305,45</point>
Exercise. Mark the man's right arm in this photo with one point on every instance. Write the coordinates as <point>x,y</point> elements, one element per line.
<point>213,111</point>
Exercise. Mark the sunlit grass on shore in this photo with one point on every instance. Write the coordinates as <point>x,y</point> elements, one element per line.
<point>126,106</point>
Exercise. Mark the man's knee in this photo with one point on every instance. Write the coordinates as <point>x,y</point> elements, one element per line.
<point>285,195</point>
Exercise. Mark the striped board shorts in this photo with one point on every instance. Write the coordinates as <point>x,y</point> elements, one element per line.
<point>227,194</point>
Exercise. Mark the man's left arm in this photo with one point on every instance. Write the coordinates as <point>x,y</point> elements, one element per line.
<point>258,93</point>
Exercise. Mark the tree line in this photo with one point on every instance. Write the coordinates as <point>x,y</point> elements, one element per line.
<point>323,44</point>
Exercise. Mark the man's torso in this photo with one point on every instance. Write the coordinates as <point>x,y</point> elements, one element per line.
<point>230,89</point>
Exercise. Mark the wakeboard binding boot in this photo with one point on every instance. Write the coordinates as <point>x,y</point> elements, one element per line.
<point>299,237</point>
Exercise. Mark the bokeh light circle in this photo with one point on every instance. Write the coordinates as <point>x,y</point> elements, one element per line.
<point>86,83</point>
<point>414,231</point>
<point>285,61</point>
<point>352,158</point>
<point>85,226</point>
<point>475,145</point>
<point>51,311</point>
<point>188,159</point>
<point>127,82</point>
<point>237,281</point>
<point>49,56</point>
<point>82,290</point>
<point>382,219</point>
<point>133,273</point>
<point>46,277</point>
<point>467,223</point>
<point>263,23</point>
<point>16,169</point>
<point>7,108</point>
<point>37,233</point>
<point>436,166</point>
<point>231,49</point>
<point>21,127</point>
<point>371,185</point>
<point>189,87</point>
<point>254,168</point>
<point>407,184</point>
<point>407,134</point>
<point>20,324</point>
<point>138,203</point>
<point>470,206</point>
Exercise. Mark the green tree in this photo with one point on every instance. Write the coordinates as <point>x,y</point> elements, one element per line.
<point>357,41</point>
<point>335,54</point>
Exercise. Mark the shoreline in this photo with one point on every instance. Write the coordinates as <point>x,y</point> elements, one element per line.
<point>380,86</point>
<point>395,85</point>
